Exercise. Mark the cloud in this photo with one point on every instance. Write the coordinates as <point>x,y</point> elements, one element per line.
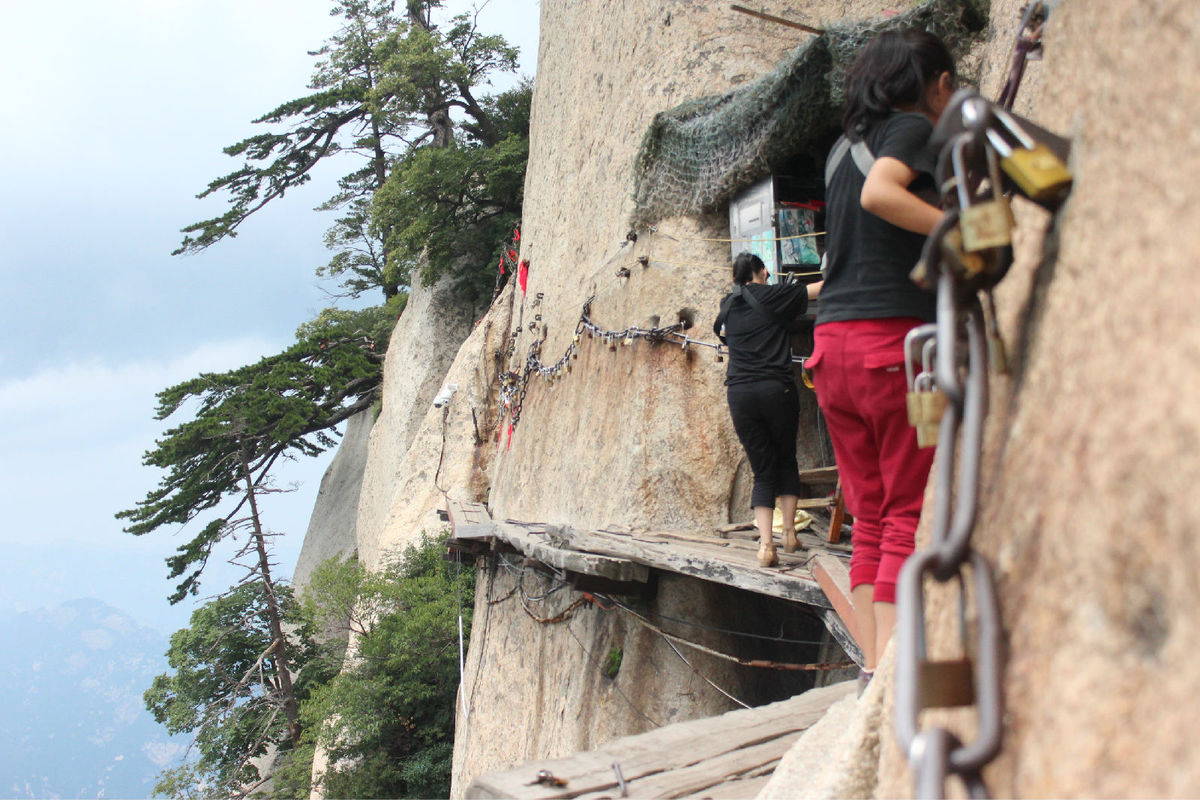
<point>72,459</point>
<point>80,405</point>
<point>77,433</point>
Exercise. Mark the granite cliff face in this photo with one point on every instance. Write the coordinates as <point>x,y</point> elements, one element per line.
<point>1087,514</point>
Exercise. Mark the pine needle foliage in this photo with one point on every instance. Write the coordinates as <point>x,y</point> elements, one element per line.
<point>387,721</point>
<point>224,687</point>
<point>243,421</point>
<point>390,83</point>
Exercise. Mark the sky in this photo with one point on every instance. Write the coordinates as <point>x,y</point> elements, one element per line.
<point>116,116</point>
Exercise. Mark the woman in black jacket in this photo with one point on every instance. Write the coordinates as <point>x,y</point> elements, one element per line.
<point>761,388</point>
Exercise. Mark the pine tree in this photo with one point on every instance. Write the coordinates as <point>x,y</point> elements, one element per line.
<point>386,86</point>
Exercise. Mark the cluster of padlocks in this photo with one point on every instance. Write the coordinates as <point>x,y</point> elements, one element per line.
<point>986,154</point>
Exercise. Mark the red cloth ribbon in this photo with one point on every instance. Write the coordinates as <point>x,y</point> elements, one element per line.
<point>501,265</point>
<point>509,445</point>
<point>523,274</point>
<point>516,234</point>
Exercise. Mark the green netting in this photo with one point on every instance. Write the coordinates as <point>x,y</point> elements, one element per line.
<point>696,156</point>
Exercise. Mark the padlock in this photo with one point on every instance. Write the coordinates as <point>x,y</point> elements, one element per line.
<point>1033,167</point>
<point>985,224</point>
<point>997,353</point>
<point>925,404</point>
<point>946,684</point>
<point>930,406</point>
<point>956,257</point>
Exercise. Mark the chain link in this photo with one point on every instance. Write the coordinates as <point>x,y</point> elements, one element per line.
<point>514,384</point>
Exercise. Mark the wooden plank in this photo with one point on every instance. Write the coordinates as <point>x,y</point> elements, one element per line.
<point>833,576</point>
<point>837,629</point>
<point>813,502</point>
<point>710,772</point>
<point>839,516</point>
<point>741,789</point>
<point>518,781</point>
<point>685,744</point>
<point>683,536</point>
<point>691,560</point>
<point>822,475</point>
<point>676,746</point>
<point>602,565</point>
<point>815,542</point>
<point>469,520</point>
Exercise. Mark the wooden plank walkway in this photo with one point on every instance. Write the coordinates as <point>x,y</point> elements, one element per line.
<point>619,560</point>
<point>727,756</point>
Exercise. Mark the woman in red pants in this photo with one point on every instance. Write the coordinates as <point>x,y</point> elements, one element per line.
<point>896,91</point>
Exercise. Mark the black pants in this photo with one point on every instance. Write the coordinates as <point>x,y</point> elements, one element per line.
<point>766,415</point>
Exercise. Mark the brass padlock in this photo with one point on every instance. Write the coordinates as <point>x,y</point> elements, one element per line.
<point>925,404</point>
<point>986,225</point>
<point>997,353</point>
<point>933,406</point>
<point>913,399</point>
<point>958,258</point>
<point>920,343</point>
<point>983,224</point>
<point>1033,167</point>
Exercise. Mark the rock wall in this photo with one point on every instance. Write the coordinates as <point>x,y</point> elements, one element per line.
<point>424,343</point>
<point>1087,512</point>
<point>651,425</point>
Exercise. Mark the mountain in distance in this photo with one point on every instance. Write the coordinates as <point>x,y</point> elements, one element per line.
<point>73,721</point>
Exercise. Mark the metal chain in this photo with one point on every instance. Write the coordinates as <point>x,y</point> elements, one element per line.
<point>956,350</point>
<point>514,384</point>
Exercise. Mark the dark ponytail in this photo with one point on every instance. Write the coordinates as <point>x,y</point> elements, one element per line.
<point>745,266</point>
<point>892,71</point>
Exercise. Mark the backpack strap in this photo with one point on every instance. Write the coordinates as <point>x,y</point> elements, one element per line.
<point>753,302</point>
<point>863,158</point>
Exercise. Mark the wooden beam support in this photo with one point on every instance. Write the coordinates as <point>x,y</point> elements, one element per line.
<point>834,579</point>
<point>777,20</point>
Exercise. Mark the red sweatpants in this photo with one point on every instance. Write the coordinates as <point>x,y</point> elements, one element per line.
<point>858,369</point>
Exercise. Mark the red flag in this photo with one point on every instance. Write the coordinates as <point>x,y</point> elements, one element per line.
<point>523,274</point>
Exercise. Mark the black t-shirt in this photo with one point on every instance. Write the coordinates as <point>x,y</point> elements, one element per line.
<point>868,260</point>
<point>759,347</point>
